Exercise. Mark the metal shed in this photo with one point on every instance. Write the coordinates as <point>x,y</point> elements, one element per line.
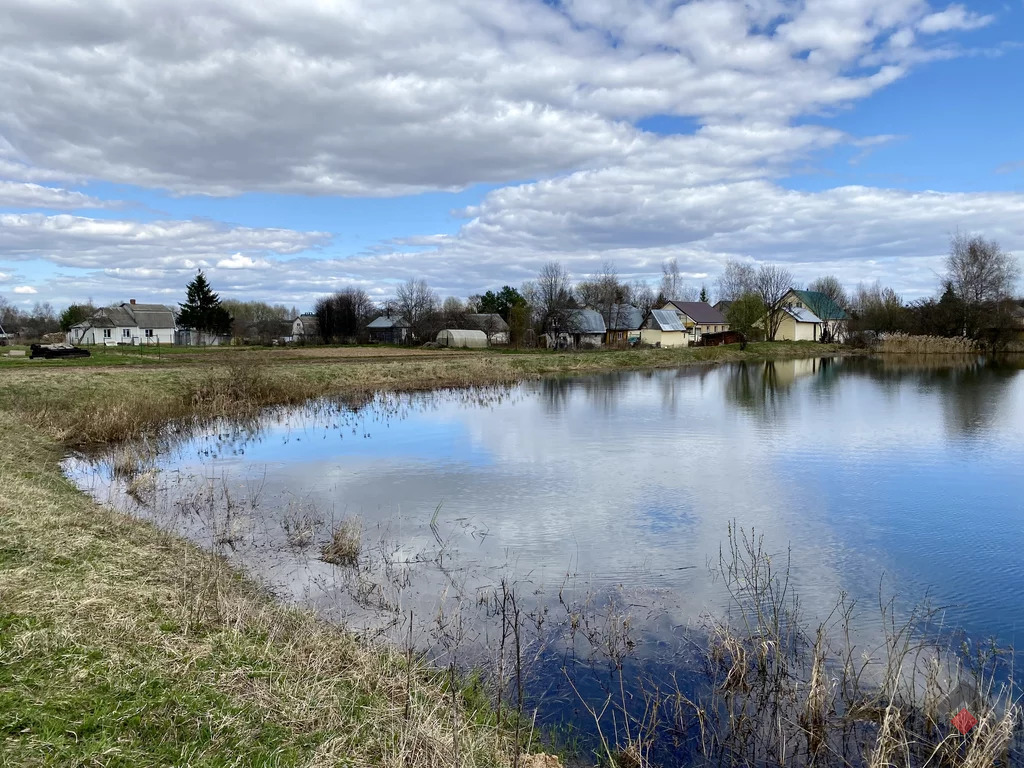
<point>462,338</point>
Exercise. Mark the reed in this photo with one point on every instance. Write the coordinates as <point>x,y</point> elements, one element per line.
<point>906,344</point>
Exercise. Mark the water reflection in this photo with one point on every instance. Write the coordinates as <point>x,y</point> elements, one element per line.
<point>624,484</point>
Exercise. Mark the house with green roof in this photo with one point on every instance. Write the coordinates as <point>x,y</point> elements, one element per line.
<point>832,317</point>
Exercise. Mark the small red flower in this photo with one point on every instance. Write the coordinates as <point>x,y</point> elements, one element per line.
<point>964,721</point>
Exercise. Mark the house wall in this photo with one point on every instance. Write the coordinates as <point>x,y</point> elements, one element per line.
<point>791,330</point>
<point>655,336</point>
<point>136,336</point>
<point>388,335</point>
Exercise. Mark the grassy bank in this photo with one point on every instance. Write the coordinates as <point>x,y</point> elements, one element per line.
<point>120,645</point>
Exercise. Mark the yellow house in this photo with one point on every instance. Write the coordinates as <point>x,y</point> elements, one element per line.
<point>832,318</point>
<point>663,328</point>
<point>698,317</point>
<point>798,324</point>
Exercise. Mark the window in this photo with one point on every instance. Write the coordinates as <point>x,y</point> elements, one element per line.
<point>106,333</point>
<point>149,333</point>
<point>127,333</point>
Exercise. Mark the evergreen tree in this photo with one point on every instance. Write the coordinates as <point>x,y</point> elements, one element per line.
<point>74,314</point>
<point>202,310</point>
<point>704,293</point>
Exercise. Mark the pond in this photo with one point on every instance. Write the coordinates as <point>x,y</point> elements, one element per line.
<point>617,492</point>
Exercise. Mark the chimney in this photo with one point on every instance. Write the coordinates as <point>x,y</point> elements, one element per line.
<point>132,300</point>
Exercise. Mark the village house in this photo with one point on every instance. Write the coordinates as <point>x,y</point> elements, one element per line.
<point>832,319</point>
<point>130,323</point>
<point>388,329</point>
<point>576,329</point>
<point>622,326</point>
<point>491,324</point>
<point>798,324</point>
<point>305,327</point>
<point>663,328</point>
<point>698,317</point>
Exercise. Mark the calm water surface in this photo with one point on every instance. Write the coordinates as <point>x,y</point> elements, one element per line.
<point>894,472</point>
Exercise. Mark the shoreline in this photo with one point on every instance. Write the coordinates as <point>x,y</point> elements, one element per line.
<point>103,613</point>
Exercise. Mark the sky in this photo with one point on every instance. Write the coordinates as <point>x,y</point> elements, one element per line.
<point>295,148</point>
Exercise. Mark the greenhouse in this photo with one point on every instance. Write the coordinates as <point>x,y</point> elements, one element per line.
<point>460,338</point>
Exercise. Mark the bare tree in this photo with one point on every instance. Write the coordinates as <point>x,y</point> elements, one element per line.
<point>642,296</point>
<point>982,275</point>
<point>771,285</point>
<point>603,291</point>
<point>672,284</point>
<point>877,308</point>
<point>550,296</point>
<point>830,287</point>
<point>453,313</point>
<point>736,280</point>
<point>417,304</point>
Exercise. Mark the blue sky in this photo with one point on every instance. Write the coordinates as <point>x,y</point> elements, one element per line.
<point>292,152</point>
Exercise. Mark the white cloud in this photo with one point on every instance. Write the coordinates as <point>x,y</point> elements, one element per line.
<point>955,17</point>
<point>25,290</point>
<point>238,261</point>
<point>27,195</point>
<point>4,277</point>
<point>77,241</point>
<point>363,99</point>
<point>635,221</point>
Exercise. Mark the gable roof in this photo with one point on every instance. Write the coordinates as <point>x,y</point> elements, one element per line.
<point>821,305</point>
<point>487,322</point>
<point>802,314</point>
<point>624,317</point>
<point>131,316</point>
<point>584,321</point>
<point>666,320</point>
<point>700,312</point>
<point>388,321</point>
<point>151,315</point>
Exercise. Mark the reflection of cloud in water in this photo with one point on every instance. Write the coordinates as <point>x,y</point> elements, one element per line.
<point>632,478</point>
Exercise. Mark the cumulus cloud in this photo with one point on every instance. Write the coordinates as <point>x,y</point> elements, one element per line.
<point>368,100</point>
<point>363,99</point>
<point>25,290</point>
<point>15,194</point>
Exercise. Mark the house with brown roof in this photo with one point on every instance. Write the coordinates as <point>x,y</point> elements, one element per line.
<point>698,317</point>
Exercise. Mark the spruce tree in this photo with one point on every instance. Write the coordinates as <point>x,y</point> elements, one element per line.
<point>202,309</point>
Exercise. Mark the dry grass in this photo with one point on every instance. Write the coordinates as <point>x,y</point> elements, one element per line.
<point>122,645</point>
<point>905,344</point>
<point>345,544</point>
<point>119,644</point>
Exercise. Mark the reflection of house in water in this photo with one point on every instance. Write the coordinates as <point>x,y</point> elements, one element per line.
<point>788,371</point>
<point>761,387</point>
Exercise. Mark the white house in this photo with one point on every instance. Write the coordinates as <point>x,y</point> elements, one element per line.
<point>130,323</point>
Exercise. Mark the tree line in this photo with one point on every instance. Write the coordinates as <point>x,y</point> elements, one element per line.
<point>975,299</point>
